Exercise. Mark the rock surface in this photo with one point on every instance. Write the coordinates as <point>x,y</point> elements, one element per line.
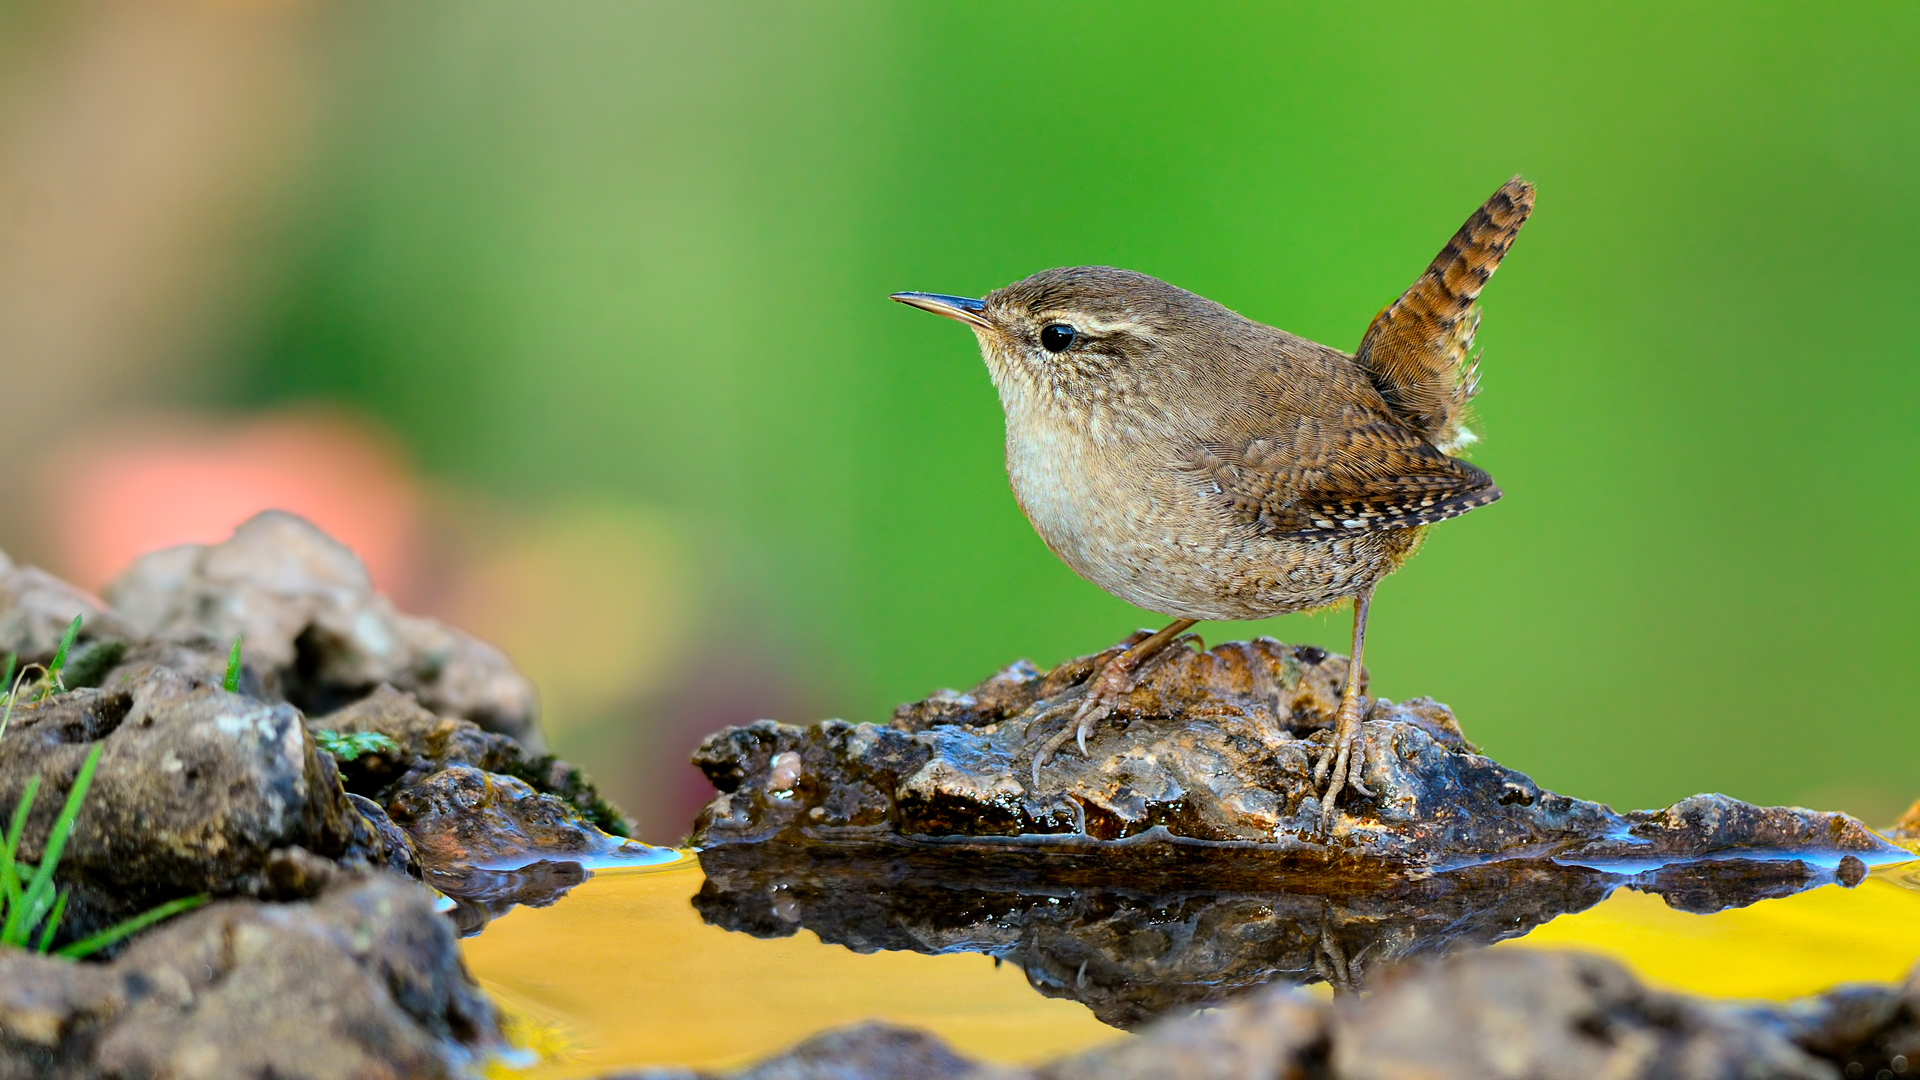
<point>1550,1016</point>
<point>1214,929</point>
<point>428,743</point>
<point>204,791</point>
<point>1215,747</point>
<point>365,982</point>
<point>316,633</point>
<point>197,791</point>
<point>1907,829</point>
<point>1501,1014</point>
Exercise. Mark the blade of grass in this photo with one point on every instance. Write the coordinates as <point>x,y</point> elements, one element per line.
<point>37,897</point>
<point>53,923</point>
<point>53,685</point>
<point>139,922</point>
<point>11,692</point>
<point>232,681</point>
<point>9,869</point>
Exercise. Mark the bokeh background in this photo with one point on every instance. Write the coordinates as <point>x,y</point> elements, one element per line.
<point>572,319</point>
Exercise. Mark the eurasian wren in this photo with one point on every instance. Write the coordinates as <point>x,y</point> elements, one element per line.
<point>1199,464</point>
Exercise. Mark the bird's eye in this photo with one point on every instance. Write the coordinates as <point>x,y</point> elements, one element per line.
<point>1057,336</point>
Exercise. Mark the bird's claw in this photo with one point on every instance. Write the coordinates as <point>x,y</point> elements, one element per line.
<point>1339,766</point>
<point>1094,707</point>
<point>1045,753</point>
<point>1092,710</point>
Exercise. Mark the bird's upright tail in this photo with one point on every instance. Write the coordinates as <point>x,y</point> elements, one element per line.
<point>1417,350</point>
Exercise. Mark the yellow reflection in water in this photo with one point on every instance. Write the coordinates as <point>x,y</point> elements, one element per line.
<point>623,971</point>
<point>1777,949</point>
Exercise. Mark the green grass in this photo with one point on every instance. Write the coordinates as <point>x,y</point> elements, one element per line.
<point>51,684</point>
<point>46,684</point>
<point>232,680</point>
<point>6,711</point>
<point>31,905</point>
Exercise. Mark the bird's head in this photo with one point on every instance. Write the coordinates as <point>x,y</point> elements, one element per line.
<point>1084,336</point>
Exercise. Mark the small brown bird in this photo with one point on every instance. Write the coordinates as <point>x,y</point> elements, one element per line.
<point>1202,465</point>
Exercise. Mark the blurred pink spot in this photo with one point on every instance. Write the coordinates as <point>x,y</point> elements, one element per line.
<point>173,482</point>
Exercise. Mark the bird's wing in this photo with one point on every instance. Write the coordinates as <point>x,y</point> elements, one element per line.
<point>1416,351</point>
<point>1361,474</point>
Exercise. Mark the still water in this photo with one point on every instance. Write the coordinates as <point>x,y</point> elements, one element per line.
<point>624,970</point>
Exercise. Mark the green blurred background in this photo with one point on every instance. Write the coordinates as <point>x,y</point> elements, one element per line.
<point>614,276</point>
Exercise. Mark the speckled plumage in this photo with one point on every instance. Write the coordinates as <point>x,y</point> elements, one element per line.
<point>1197,463</point>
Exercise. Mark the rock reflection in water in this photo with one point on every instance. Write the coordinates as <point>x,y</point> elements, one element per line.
<point>1176,941</point>
<point>480,896</point>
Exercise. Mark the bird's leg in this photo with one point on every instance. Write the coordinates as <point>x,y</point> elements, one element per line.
<point>1344,752</point>
<point>1113,682</point>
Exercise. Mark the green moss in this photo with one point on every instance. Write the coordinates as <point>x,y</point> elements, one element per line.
<point>90,664</point>
<point>346,746</point>
<point>573,786</point>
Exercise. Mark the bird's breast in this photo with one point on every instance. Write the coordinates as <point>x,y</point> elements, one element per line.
<point>1116,513</point>
<point>1128,518</point>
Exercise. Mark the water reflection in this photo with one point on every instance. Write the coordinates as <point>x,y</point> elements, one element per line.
<point>1181,937</point>
<point>476,897</point>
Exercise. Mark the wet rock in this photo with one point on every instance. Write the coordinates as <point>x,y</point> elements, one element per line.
<point>364,982</point>
<point>381,843</point>
<point>465,816</point>
<point>1212,746</point>
<point>316,633</point>
<point>1136,943</point>
<point>197,791</point>
<point>491,825</point>
<point>205,791</point>
<point>1907,829</point>
<point>427,743</point>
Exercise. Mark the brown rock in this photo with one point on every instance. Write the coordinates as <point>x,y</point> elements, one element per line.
<point>871,1051</point>
<point>428,743</point>
<point>464,817</point>
<point>365,982</point>
<point>316,634</point>
<point>1907,829</point>
<point>197,791</point>
<point>204,791</point>
<point>1501,1014</point>
<point>36,608</point>
<point>1282,1036</point>
<point>1528,1014</point>
<point>1212,746</point>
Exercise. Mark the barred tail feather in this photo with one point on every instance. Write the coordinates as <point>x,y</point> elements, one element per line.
<point>1418,350</point>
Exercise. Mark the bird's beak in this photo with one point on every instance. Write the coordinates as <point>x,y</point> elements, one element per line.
<point>953,307</point>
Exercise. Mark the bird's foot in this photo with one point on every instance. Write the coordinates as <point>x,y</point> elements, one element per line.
<point>1114,682</point>
<point>1342,972</point>
<point>1341,761</point>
